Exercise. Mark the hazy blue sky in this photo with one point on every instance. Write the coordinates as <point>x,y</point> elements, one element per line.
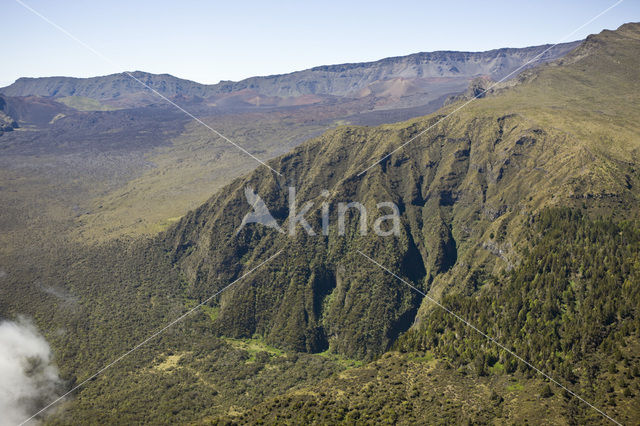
<point>231,40</point>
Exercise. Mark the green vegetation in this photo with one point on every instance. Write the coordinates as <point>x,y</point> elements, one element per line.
<point>114,296</point>
<point>184,381</point>
<point>82,103</point>
<point>570,309</point>
<point>341,360</point>
<point>420,357</point>
<point>483,171</point>
<point>555,310</point>
<point>253,346</point>
<point>398,389</point>
<point>515,387</point>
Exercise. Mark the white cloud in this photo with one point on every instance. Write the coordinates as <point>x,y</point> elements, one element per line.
<point>28,378</point>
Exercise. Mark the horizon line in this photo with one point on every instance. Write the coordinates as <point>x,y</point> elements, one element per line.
<point>313,68</point>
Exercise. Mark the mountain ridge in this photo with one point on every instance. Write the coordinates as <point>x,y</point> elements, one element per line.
<point>427,70</point>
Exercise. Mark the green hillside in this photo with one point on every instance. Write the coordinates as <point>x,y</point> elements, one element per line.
<point>556,310</point>
<point>519,213</point>
<point>466,190</point>
<point>82,103</point>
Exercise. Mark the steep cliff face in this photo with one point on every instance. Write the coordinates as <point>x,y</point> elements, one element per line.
<point>465,189</point>
<point>420,68</point>
<point>7,123</point>
<point>106,87</point>
<point>418,79</point>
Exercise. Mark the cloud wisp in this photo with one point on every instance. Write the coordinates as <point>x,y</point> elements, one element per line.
<point>29,377</point>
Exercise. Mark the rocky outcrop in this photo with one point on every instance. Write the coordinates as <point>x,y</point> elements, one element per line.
<point>7,123</point>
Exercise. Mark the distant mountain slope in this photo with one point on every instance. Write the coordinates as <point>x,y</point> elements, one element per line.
<point>430,75</point>
<point>7,123</point>
<point>106,87</point>
<point>349,79</point>
<point>32,110</point>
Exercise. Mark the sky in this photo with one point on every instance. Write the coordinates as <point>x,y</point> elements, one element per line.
<point>209,41</point>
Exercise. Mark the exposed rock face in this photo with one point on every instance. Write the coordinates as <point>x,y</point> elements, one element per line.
<point>349,79</point>
<point>7,123</point>
<point>478,88</point>
<point>405,81</point>
<point>106,87</point>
